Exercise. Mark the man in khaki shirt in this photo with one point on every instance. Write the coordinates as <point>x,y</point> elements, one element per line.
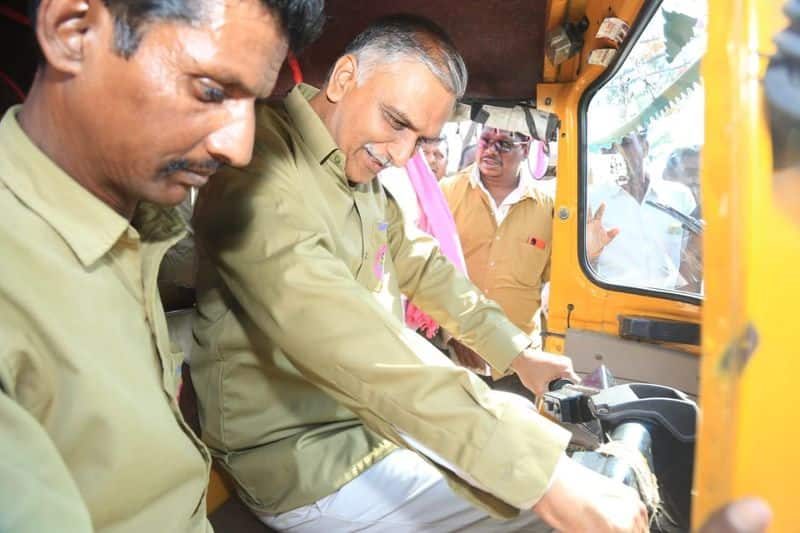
<point>505,225</point>
<point>306,378</point>
<point>132,105</point>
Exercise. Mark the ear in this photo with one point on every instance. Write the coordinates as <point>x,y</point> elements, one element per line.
<point>61,30</point>
<point>342,78</point>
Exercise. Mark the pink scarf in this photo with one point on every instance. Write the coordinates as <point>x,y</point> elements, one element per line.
<point>436,220</point>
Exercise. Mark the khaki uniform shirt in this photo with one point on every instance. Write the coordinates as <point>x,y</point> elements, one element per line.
<point>304,371</point>
<point>509,262</point>
<point>88,383</point>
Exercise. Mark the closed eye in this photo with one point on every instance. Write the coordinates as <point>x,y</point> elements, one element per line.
<point>394,122</point>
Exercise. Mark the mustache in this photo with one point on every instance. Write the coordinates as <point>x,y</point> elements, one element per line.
<point>385,162</point>
<point>205,168</point>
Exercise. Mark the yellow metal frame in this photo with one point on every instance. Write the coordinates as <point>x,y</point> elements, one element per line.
<point>748,431</point>
<point>593,307</point>
<point>752,244</point>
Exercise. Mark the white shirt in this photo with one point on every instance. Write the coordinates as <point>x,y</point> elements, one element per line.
<point>500,212</point>
<point>647,250</point>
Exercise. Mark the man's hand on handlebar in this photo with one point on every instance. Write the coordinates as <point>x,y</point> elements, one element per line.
<point>582,501</point>
<point>536,369</point>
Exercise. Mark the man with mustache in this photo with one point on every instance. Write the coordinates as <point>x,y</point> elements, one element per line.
<point>505,225</point>
<point>329,414</point>
<point>134,103</point>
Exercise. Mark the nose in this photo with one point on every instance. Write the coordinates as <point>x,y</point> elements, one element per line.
<point>403,149</point>
<point>233,142</point>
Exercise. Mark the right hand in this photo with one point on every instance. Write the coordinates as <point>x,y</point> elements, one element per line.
<point>597,237</point>
<point>582,501</point>
<point>537,368</point>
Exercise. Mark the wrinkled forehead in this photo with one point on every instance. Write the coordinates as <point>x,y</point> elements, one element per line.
<point>411,90</point>
<point>236,42</point>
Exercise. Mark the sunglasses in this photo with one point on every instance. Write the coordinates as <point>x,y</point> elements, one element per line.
<point>501,145</point>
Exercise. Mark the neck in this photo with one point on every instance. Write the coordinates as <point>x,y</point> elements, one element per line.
<point>499,186</point>
<point>638,187</point>
<point>44,119</point>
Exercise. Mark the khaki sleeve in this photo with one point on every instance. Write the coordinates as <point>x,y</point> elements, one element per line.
<point>277,261</point>
<point>434,285</point>
<point>37,492</point>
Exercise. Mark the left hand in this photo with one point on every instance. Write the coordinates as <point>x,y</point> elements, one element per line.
<point>536,369</point>
<point>597,237</point>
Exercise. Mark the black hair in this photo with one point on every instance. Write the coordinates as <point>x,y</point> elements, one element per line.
<point>301,20</point>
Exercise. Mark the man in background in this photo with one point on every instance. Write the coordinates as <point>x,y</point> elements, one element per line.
<point>505,224</point>
<point>435,152</point>
<point>630,238</point>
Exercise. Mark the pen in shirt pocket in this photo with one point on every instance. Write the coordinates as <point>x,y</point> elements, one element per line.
<point>537,242</point>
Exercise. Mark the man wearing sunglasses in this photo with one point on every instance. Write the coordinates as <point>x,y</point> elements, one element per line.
<point>505,225</point>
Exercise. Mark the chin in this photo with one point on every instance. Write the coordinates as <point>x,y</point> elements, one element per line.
<point>489,171</point>
<point>361,175</point>
<point>169,197</point>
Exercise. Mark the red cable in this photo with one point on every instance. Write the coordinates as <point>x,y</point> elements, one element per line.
<point>14,87</point>
<point>14,15</point>
<point>297,72</point>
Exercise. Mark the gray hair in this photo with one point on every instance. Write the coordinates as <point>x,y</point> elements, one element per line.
<point>409,37</point>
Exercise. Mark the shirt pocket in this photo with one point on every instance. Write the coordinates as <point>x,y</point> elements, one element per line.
<point>527,263</point>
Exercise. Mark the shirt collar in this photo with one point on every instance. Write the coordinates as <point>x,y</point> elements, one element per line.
<point>309,124</point>
<point>88,225</point>
<point>650,192</point>
<point>525,188</point>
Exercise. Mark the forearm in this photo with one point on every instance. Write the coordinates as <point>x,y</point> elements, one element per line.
<point>434,285</point>
<point>337,335</point>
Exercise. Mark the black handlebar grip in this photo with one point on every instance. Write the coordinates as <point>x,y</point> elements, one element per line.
<point>557,384</point>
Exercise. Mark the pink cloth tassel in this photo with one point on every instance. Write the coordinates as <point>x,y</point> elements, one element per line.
<point>436,220</point>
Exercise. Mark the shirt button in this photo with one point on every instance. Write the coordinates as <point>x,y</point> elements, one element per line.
<point>491,263</point>
<point>497,238</point>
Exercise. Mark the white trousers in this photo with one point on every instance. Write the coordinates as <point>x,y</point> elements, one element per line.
<point>400,493</point>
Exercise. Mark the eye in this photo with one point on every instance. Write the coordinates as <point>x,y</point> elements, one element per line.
<point>505,146</point>
<point>209,92</point>
<point>393,122</point>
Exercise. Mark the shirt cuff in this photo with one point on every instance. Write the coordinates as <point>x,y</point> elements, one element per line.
<point>518,463</point>
<point>502,345</point>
